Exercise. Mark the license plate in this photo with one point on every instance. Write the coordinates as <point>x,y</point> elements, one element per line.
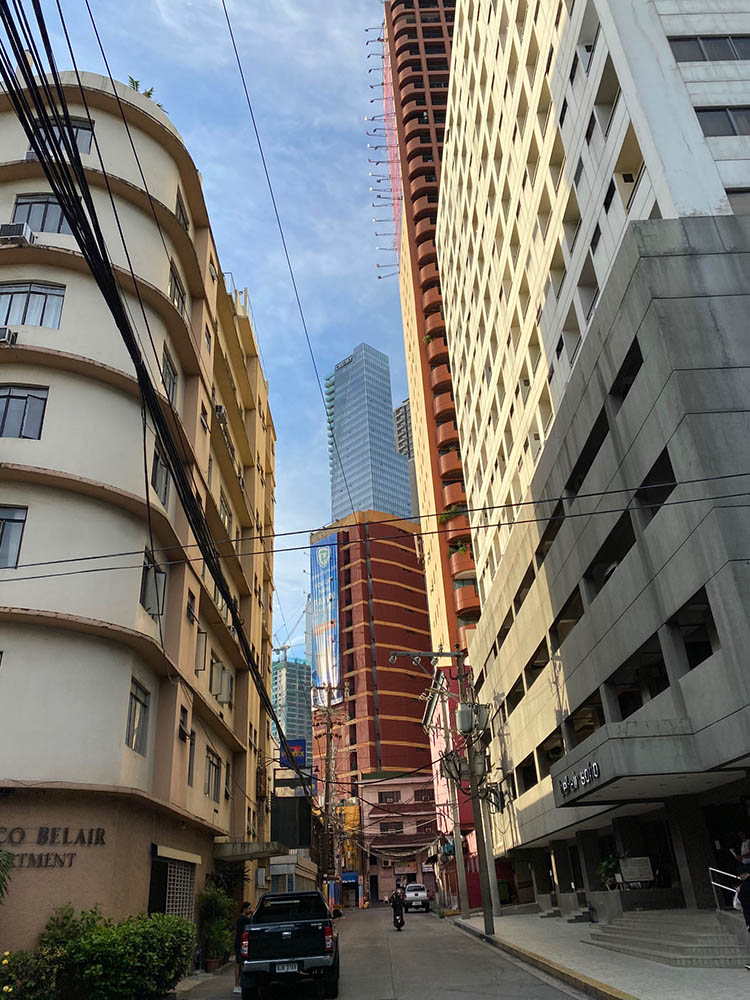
<point>287,967</point>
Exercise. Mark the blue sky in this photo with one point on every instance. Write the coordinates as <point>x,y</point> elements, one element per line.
<point>307,69</point>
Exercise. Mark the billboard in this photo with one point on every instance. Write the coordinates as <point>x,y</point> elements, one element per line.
<point>299,754</point>
<point>324,574</point>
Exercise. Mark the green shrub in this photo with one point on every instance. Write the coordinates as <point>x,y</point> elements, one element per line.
<point>64,926</point>
<point>141,958</point>
<point>215,911</point>
<point>31,975</point>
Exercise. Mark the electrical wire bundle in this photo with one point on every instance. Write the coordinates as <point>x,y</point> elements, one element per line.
<point>39,101</point>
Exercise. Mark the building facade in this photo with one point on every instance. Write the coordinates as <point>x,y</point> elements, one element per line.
<point>376,723</point>
<point>291,691</point>
<point>405,446</point>
<point>417,56</point>
<point>367,473</point>
<point>132,739</point>
<point>592,289</point>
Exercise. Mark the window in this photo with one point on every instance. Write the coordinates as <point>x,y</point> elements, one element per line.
<point>228,780</point>
<point>81,132</point>
<point>153,584</point>
<point>32,304</point>
<point>724,121</point>
<point>609,197</point>
<point>42,212</point>
<point>160,476</point>
<point>192,617</point>
<point>12,520</point>
<point>595,239</point>
<point>176,290</point>
<point>204,417</point>
<point>590,129</point>
<point>207,337</point>
<point>136,733</point>
<point>388,797</point>
<point>22,411</point>
<point>169,376</point>
<point>191,759</point>
<point>215,675</point>
<point>225,513</point>
<point>739,199</point>
<point>424,795</point>
<point>212,784</point>
<point>711,48</point>
<point>181,213</point>
<point>391,827</point>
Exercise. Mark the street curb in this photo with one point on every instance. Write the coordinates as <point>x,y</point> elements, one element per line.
<point>584,983</point>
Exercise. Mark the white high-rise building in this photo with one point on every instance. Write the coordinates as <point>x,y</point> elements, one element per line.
<point>594,267</point>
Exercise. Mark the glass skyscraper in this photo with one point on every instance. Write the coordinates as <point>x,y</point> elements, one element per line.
<point>359,402</point>
<point>291,694</point>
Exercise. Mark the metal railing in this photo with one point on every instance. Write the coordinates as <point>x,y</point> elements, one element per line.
<point>720,885</point>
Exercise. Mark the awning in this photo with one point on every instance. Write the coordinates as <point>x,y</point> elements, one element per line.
<point>248,851</point>
<point>350,876</point>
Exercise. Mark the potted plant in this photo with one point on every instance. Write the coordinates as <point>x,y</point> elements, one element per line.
<point>606,870</point>
<point>427,338</point>
<point>214,926</point>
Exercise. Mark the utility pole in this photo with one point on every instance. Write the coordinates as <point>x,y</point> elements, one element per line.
<point>496,905</point>
<point>476,769</point>
<point>463,892</point>
<point>327,790</point>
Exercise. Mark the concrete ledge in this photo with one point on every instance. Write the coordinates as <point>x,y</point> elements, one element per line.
<point>584,983</point>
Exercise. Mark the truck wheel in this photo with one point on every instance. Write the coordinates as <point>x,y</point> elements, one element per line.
<point>250,993</point>
<point>330,986</point>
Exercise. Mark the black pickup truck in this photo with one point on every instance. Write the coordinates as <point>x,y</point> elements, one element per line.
<point>290,937</point>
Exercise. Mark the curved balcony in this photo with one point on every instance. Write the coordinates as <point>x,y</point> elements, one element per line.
<point>409,91</point>
<point>426,253</point>
<point>443,406</point>
<point>428,274</point>
<point>432,298</point>
<point>454,493</point>
<point>437,349</point>
<point>425,205</point>
<point>399,6</point>
<point>447,433</point>
<point>415,128</point>
<point>466,599</point>
<point>422,186</point>
<point>410,71</point>
<point>458,529</point>
<point>408,39</point>
<point>434,325</point>
<point>440,378</point>
<point>450,464</point>
<point>462,563</point>
<point>465,632</point>
<point>425,229</point>
<point>416,145</point>
<point>419,165</point>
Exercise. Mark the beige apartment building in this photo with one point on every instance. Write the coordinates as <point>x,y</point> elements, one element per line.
<point>133,744</point>
<point>593,243</point>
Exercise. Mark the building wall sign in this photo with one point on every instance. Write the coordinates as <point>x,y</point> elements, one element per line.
<point>28,840</point>
<point>579,779</point>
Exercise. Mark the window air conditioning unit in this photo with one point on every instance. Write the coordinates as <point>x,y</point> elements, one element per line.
<point>8,337</point>
<point>221,414</point>
<point>16,234</point>
<point>386,863</point>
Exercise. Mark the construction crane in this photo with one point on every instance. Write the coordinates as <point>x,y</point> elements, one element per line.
<point>283,647</point>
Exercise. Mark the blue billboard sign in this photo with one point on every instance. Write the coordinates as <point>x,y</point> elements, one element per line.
<point>324,575</point>
<point>299,754</point>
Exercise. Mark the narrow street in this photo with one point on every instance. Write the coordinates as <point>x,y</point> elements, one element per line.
<point>429,958</point>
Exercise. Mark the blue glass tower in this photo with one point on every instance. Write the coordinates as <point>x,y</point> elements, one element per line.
<point>360,410</point>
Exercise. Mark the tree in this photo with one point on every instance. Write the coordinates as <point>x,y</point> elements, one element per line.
<point>136,85</point>
<point>6,862</point>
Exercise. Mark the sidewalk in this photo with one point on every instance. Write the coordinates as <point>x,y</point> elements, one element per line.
<point>562,950</point>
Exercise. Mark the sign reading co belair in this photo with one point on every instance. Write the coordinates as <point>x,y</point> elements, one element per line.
<point>324,575</point>
<point>579,779</point>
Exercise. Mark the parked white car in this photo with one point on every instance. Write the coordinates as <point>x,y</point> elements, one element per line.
<point>416,897</point>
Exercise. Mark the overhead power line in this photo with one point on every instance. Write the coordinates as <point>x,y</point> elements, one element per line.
<point>544,519</point>
<point>297,297</point>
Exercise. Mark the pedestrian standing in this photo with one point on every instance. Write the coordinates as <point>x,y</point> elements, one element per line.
<point>743,855</point>
<point>246,911</point>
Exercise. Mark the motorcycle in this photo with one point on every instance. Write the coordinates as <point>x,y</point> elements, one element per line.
<point>398,921</point>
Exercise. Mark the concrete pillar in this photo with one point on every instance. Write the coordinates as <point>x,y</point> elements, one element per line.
<point>693,850</point>
<point>610,703</point>
<point>676,661</point>
<point>540,873</point>
<point>568,734</point>
<point>628,836</point>
<point>567,898</point>
<point>588,851</point>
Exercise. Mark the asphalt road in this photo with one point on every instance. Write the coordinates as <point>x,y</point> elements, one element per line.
<point>428,958</point>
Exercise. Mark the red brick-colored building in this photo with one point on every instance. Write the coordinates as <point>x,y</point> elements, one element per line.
<point>377,721</point>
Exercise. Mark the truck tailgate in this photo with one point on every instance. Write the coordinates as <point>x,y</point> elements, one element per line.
<point>286,940</point>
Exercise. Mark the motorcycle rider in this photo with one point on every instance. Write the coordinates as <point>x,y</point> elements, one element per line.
<point>397,905</point>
